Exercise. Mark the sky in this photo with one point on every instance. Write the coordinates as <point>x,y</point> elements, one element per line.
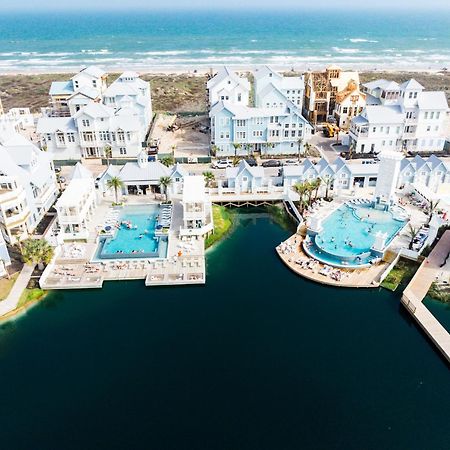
<point>36,5</point>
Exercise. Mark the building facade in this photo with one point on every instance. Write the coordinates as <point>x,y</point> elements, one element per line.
<point>401,118</point>
<point>93,118</point>
<point>28,187</point>
<point>321,89</point>
<point>228,86</point>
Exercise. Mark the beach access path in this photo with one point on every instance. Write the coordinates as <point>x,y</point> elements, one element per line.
<point>10,303</point>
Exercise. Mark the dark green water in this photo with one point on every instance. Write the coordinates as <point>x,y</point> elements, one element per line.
<point>257,359</point>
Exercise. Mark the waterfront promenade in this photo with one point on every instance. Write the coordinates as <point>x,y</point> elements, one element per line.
<point>418,288</point>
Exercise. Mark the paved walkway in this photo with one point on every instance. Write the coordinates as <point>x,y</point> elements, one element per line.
<point>418,288</point>
<point>10,303</point>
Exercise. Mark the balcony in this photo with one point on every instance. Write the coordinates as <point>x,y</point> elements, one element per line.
<point>16,219</point>
<point>10,194</point>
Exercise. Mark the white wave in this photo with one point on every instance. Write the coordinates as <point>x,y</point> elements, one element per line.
<point>345,50</point>
<point>356,40</point>
<point>426,39</point>
<point>253,40</point>
<point>103,51</point>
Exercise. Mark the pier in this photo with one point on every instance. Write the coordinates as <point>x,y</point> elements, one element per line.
<point>418,288</point>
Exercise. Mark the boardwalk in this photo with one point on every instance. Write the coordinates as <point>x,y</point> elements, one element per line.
<point>417,289</point>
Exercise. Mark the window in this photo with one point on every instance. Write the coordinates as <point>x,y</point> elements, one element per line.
<point>388,129</point>
<point>86,123</point>
<point>437,115</point>
<point>60,137</point>
<point>286,134</point>
<point>122,150</point>
<point>410,95</point>
<point>49,137</point>
<point>239,97</point>
<point>120,136</point>
<point>129,135</point>
<point>374,129</point>
<point>104,135</point>
<point>432,115</point>
<point>240,123</point>
<point>426,115</point>
<point>94,83</point>
<point>345,110</point>
<point>257,133</point>
<point>415,94</point>
<point>241,134</point>
<point>70,137</point>
<point>428,128</point>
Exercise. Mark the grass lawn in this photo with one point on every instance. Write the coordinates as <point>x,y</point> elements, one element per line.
<point>400,274</point>
<point>6,285</point>
<point>223,221</point>
<point>30,295</point>
<point>441,293</point>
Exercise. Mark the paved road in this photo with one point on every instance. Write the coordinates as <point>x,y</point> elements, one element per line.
<point>10,303</point>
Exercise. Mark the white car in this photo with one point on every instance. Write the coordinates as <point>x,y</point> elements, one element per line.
<point>222,164</point>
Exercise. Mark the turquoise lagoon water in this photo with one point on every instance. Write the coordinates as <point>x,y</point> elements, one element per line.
<point>137,241</point>
<point>53,40</point>
<point>349,233</point>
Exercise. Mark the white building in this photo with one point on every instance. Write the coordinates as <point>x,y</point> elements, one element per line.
<point>242,130</point>
<point>400,117</point>
<point>87,117</point>
<point>197,209</point>
<point>27,187</point>
<point>348,104</point>
<point>14,121</point>
<point>76,206</point>
<point>227,85</point>
<point>273,90</point>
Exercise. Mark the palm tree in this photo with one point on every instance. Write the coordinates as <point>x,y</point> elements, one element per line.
<point>309,190</point>
<point>307,149</point>
<point>209,178</point>
<point>115,183</point>
<point>412,231</point>
<point>268,145</point>
<point>214,150</point>
<point>328,180</point>
<point>236,146</point>
<point>164,183</point>
<point>351,149</point>
<point>167,161</point>
<point>37,251</point>
<point>301,189</point>
<point>249,148</point>
<point>107,149</point>
<point>315,185</point>
<point>432,208</point>
<point>299,143</point>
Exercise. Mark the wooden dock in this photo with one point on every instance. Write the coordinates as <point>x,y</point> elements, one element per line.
<point>418,288</point>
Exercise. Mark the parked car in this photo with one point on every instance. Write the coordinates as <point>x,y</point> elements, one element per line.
<point>272,163</point>
<point>290,162</point>
<point>251,162</point>
<point>222,164</point>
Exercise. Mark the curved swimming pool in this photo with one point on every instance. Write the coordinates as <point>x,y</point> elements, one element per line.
<point>349,232</point>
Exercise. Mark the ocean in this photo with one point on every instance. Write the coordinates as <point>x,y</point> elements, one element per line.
<point>200,40</point>
<point>258,358</point>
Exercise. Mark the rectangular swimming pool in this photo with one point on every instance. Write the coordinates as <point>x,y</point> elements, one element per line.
<point>134,235</point>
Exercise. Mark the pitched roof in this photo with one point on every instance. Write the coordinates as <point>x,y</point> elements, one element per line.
<point>52,124</point>
<point>412,84</point>
<point>95,110</point>
<point>384,114</point>
<point>433,100</point>
<point>80,172</point>
<point>151,172</point>
<point>223,73</point>
<point>93,71</point>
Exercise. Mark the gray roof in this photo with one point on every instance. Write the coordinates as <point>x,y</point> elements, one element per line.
<point>151,172</point>
<point>433,100</point>
<point>411,84</point>
<point>52,124</point>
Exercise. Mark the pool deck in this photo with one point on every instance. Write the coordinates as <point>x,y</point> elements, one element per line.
<point>79,270</point>
<point>351,278</point>
<point>417,290</point>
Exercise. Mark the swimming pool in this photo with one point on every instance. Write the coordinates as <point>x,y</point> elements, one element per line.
<point>348,234</point>
<point>134,236</point>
